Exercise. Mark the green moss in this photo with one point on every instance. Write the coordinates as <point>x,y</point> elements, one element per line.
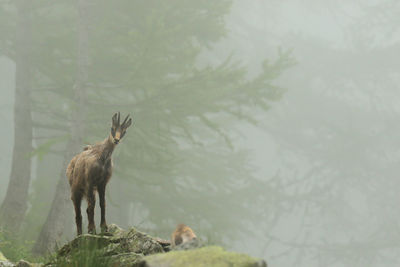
<point>206,256</point>
<point>86,241</point>
<point>2,258</point>
<point>14,247</point>
<point>125,259</point>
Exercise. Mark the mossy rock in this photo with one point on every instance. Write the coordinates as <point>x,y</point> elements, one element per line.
<point>83,242</point>
<point>134,248</point>
<point>125,260</point>
<point>205,256</point>
<point>115,231</point>
<point>136,242</point>
<point>115,248</point>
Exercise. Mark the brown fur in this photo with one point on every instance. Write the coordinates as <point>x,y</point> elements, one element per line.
<point>182,234</point>
<point>90,171</point>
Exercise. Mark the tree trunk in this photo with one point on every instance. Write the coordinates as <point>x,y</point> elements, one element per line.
<point>14,206</point>
<point>60,215</point>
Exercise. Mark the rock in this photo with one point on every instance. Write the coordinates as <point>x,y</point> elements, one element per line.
<point>87,241</point>
<point>23,263</point>
<point>165,244</point>
<point>115,230</point>
<point>6,264</point>
<point>136,249</point>
<point>135,241</point>
<point>116,248</point>
<point>205,256</point>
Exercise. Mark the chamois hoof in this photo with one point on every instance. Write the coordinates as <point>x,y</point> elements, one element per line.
<point>92,232</point>
<point>104,230</point>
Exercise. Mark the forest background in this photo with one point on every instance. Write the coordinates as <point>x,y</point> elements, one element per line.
<point>267,126</point>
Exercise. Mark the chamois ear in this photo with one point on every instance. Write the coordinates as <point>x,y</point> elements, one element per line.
<point>115,119</point>
<point>128,123</point>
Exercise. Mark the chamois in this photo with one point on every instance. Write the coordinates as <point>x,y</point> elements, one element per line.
<point>90,171</point>
<point>182,235</point>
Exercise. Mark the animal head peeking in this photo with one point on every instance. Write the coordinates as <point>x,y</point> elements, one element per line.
<point>118,130</point>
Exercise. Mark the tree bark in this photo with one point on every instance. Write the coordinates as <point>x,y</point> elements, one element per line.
<point>14,206</point>
<point>60,215</point>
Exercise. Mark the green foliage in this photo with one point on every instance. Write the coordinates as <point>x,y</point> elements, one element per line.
<point>14,248</point>
<point>17,247</point>
<point>44,148</point>
<point>88,255</point>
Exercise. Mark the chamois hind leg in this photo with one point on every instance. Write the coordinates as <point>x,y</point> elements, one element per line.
<point>102,191</point>
<point>91,199</point>
<point>77,200</point>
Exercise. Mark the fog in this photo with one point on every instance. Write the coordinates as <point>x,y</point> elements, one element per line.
<point>269,127</point>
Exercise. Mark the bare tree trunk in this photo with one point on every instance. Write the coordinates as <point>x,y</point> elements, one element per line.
<point>60,215</point>
<point>14,206</point>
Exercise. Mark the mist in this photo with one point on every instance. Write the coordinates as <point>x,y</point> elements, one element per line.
<point>269,127</point>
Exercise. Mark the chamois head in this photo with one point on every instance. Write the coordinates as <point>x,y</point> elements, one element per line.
<point>118,130</point>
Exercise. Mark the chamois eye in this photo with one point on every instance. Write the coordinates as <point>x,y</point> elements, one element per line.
<point>113,132</point>
<point>122,134</point>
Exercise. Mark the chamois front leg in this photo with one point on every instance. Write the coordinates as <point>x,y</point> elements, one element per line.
<point>91,199</point>
<point>77,200</point>
<point>102,191</point>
